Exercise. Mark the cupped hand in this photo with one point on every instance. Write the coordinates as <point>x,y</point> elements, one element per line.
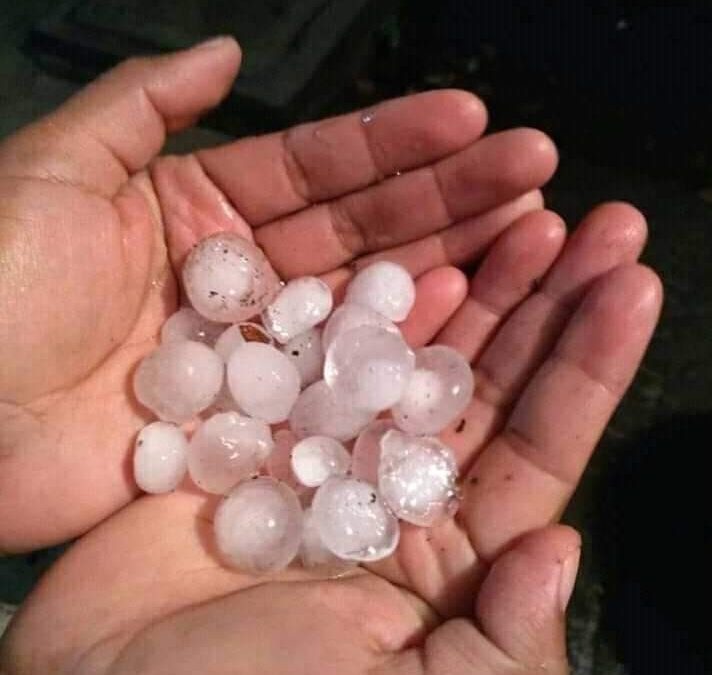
<point>555,331</point>
<point>93,226</point>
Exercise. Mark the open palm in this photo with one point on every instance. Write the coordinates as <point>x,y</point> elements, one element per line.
<point>554,330</point>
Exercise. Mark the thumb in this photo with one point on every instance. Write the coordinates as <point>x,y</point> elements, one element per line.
<point>116,125</point>
<point>521,605</point>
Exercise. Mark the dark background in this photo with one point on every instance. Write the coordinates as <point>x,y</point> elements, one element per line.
<point>625,89</point>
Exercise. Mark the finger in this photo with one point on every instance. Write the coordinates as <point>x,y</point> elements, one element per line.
<point>521,604</point>
<point>461,243</point>
<point>525,476</point>
<point>405,208</point>
<point>270,176</point>
<point>117,124</point>
<point>518,259</point>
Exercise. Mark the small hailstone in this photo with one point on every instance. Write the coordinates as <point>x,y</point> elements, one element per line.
<point>318,412</point>
<point>368,368</point>
<point>187,324</point>
<point>439,390</point>
<point>385,287</point>
<point>316,458</point>
<point>349,316</point>
<point>178,380</point>
<point>302,304</point>
<point>160,457</point>
<point>306,353</point>
<point>237,335</point>
<point>352,520</point>
<point>228,279</point>
<point>367,450</point>
<point>258,526</point>
<point>226,449</point>
<point>263,381</point>
<point>279,463</point>
<point>417,478</point>
<point>312,551</point>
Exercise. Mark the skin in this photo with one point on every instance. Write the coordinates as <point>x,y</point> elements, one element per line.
<point>555,330</point>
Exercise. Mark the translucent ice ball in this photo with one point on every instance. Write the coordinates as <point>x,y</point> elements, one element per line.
<point>306,353</point>
<point>368,368</point>
<point>258,526</point>
<point>417,478</point>
<point>263,381</point>
<point>226,449</point>
<point>439,390</point>
<point>160,457</point>
<point>318,412</point>
<point>235,336</point>
<point>228,279</point>
<point>348,316</point>
<point>316,458</point>
<point>352,520</point>
<point>366,454</point>
<point>187,324</point>
<point>385,287</point>
<point>178,380</point>
<point>301,305</point>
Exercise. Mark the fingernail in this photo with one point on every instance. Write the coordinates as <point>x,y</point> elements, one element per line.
<point>569,570</point>
<point>215,42</point>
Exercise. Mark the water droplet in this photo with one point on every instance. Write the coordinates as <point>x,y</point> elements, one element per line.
<point>367,117</point>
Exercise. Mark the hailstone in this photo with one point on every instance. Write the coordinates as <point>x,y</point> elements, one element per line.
<point>316,458</point>
<point>160,457</point>
<point>349,316</point>
<point>187,324</point>
<point>385,287</point>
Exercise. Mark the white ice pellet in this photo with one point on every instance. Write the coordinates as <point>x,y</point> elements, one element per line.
<point>368,368</point>
<point>314,553</point>
<point>160,457</point>
<point>228,279</point>
<point>263,381</point>
<point>439,390</point>
<point>366,453</point>
<point>237,335</point>
<point>385,287</point>
<point>349,316</point>
<point>417,478</point>
<point>187,324</point>
<point>301,305</point>
<point>178,380</point>
<point>306,353</point>
<point>258,526</point>
<point>226,449</point>
<point>316,458</point>
<point>352,520</point>
<point>318,412</point>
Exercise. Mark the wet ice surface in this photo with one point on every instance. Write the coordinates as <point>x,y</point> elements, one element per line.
<point>332,377</point>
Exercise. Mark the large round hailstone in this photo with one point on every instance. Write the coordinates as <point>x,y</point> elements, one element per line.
<point>228,279</point>
<point>318,412</point>
<point>160,457</point>
<point>368,368</point>
<point>302,304</point>
<point>187,324</point>
<point>306,353</point>
<point>386,288</point>
<point>316,458</point>
<point>417,478</point>
<point>352,520</point>
<point>177,380</point>
<point>258,526</point>
<point>312,551</point>
<point>439,390</point>
<point>366,453</point>
<point>263,381</point>
<point>226,449</point>
<point>237,335</point>
<point>348,316</point>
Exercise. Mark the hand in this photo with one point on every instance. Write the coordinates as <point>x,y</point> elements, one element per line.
<point>555,332</point>
<point>93,227</point>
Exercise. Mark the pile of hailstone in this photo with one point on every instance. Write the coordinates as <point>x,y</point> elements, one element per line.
<point>331,480</point>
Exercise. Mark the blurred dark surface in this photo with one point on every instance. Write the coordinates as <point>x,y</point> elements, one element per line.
<point>625,89</point>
